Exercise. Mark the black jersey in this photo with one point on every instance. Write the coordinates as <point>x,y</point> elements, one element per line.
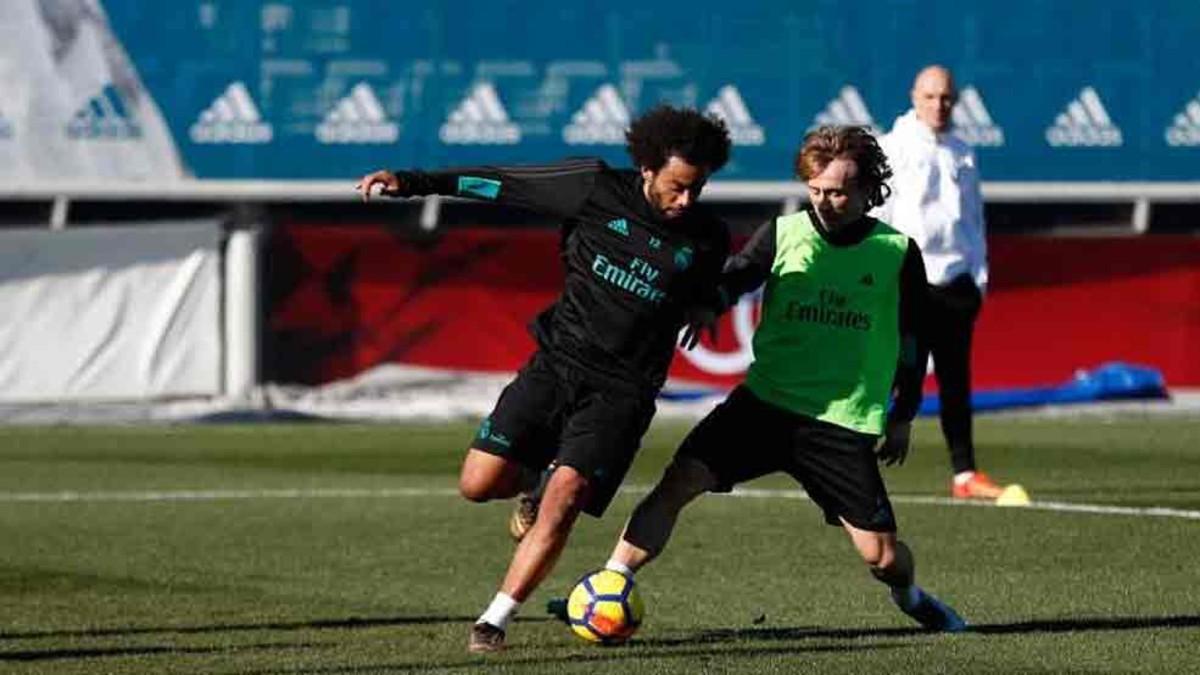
<point>629,274</point>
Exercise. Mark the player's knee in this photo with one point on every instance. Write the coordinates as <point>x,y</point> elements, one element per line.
<point>683,480</point>
<point>567,488</point>
<point>485,476</point>
<point>473,488</point>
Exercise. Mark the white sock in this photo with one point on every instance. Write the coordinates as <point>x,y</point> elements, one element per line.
<point>907,597</point>
<point>962,477</point>
<point>498,613</point>
<point>618,566</point>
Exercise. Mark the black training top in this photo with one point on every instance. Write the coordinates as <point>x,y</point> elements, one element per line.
<point>629,274</point>
<point>748,268</point>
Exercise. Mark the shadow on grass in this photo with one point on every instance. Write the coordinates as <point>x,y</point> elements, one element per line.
<point>641,652</point>
<point>1093,624</point>
<point>708,643</point>
<point>350,623</point>
<point>71,653</point>
<point>734,643</point>
<point>1097,624</point>
<point>66,653</point>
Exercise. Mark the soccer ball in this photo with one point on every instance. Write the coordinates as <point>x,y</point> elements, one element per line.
<point>605,607</point>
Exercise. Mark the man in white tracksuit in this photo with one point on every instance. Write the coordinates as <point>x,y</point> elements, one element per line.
<point>936,201</point>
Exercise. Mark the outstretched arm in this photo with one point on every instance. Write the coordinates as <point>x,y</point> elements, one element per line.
<point>557,189</point>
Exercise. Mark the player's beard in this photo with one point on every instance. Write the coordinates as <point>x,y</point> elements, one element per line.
<point>654,196</point>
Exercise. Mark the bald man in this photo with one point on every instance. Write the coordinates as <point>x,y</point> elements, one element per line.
<point>936,201</point>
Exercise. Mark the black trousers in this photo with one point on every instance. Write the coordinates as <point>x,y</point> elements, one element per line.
<point>950,325</point>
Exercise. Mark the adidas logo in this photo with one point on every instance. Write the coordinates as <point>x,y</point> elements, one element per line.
<point>601,121</point>
<point>1085,122</point>
<point>729,106</point>
<point>620,226</point>
<point>357,118</point>
<point>1185,130</point>
<point>480,119</point>
<point>231,118</point>
<point>972,123</point>
<point>105,116</point>
<point>847,108</point>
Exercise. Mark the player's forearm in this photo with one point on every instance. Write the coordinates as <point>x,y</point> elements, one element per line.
<point>748,268</point>
<point>910,376</point>
<point>421,183</point>
<point>557,189</point>
<point>736,281</point>
<point>914,350</point>
<point>484,183</point>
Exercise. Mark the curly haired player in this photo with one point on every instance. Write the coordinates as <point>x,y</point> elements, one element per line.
<point>638,253</point>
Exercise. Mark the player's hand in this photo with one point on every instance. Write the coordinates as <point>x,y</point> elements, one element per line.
<point>893,449</point>
<point>378,183</point>
<point>699,320</point>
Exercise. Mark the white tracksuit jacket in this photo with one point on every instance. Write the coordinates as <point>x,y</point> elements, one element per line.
<point>936,200</point>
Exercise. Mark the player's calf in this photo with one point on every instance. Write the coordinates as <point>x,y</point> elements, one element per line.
<point>896,567</point>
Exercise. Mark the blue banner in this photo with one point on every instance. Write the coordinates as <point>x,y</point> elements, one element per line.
<point>1079,91</point>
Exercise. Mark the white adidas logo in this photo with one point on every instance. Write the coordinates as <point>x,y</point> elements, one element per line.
<point>972,123</point>
<point>232,118</point>
<point>729,106</point>
<point>847,108</point>
<point>1185,130</point>
<point>602,120</point>
<point>480,119</point>
<point>104,117</point>
<point>357,118</point>
<point>1085,122</point>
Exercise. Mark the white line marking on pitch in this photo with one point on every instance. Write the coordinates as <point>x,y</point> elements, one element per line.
<point>67,496</point>
<point>1068,507</point>
<point>219,495</point>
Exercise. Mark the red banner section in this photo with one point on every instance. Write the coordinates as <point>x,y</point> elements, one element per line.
<point>344,299</point>
<point>1058,304</point>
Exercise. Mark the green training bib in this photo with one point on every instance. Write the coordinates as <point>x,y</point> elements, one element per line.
<point>829,337</point>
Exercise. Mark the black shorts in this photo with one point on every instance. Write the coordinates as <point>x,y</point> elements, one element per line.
<point>745,437</point>
<point>555,412</point>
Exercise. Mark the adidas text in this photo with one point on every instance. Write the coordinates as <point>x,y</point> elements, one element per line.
<point>972,122</point>
<point>1085,122</point>
<point>104,116</point>
<point>1185,131</point>
<point>729,107</point>
<point>231,118</point>
<point>480,119</point>
<point>601,121</point>
<point>357,118</point>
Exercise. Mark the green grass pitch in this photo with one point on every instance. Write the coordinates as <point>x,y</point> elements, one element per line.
<point>341,549</point>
